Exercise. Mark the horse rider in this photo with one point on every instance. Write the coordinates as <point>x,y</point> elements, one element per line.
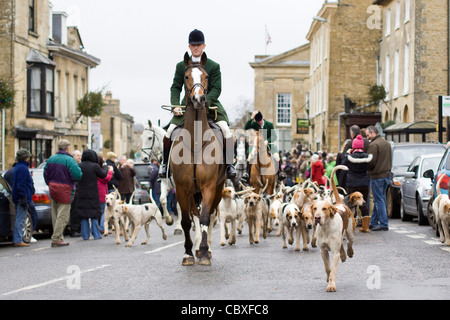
<point>197,46</point>
<point>257,122</point>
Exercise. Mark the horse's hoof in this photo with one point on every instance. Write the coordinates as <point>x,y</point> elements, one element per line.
<point>178,232</point>
<point>188,261</point>
<point>204,261</point>
<point>169,221</point>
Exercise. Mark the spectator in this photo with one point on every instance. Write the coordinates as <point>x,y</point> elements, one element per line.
<point>60,174</point>
<point>77,156</point>
<point>155,182</point>
<point>22,192</point>
<point>102,185</point>
<point>117,175</point>
<point>331,163</point>
<point>126,183</point>
<point>88,204</point>
<point>74,221</point>
<point>357,162</point>
<point>317,170</point>
<point>379,170</point>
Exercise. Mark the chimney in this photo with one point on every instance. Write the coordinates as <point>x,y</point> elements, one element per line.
<point>60,27</point>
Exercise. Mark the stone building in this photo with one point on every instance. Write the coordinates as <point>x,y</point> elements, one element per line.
<point>343,67</point>
<point>281,86</point>
<point>48,73</point>
<point>414,58</point>
<point>117,129</point>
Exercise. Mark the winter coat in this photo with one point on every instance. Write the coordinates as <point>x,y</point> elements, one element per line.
<point>22,182</point>
<point>317,172</point>
<point>329,170</point>
<point>87,197</point>
<point>357,163</point>
<point>126,184</point>
<point>102,185</point>
<point>60,174</point>
<point>117,175</point>
<point>381,164</point>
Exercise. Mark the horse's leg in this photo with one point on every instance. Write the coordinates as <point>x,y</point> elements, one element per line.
<point>188,258</point>
<point>178,229</point>
<point>205,226</point>
<point>163,200</point>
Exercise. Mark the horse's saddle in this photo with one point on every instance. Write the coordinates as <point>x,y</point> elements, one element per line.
<point>211,123</point>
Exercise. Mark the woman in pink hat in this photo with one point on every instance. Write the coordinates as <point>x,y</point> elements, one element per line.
<point>357,179</point>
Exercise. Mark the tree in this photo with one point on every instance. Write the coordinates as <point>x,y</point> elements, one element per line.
<point>7,94</point>
<point>90,105</point>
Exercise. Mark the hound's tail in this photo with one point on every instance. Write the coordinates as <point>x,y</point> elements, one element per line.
<point>438,185</point>
<point>337,198</point>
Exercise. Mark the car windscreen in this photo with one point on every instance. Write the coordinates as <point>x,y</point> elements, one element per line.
<point>141,171</point>
<point>403,156</point>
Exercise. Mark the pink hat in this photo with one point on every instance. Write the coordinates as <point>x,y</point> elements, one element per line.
<point>358,142</point>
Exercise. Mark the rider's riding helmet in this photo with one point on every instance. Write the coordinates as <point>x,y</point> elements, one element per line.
<point>196,37</point>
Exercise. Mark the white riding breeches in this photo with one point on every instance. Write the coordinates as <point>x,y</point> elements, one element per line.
<point>222,125</point>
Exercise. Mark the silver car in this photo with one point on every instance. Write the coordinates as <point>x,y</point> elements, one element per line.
<point>416,189</point>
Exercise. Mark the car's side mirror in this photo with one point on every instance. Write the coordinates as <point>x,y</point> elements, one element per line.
<point>429,174</point>
<point>410,175</point>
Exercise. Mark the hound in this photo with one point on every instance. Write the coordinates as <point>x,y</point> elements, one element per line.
<point>255,206</point>
<point>333,222</point>
<point>290,222</point>
<point>441,208</point>
<point>141,215</point>
<point>112,202</point>
<point>228,215</point>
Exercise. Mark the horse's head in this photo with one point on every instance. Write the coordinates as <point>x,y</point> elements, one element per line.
<point>196,81</point>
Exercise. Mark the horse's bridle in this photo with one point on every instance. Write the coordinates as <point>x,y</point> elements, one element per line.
<point>196,85</point>
<point>155,137</point>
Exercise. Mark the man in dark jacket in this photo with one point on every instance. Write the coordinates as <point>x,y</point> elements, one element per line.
<point>60,174</point>
<point>22,191</point>
<point>379,170</point>
<point>197,45</point>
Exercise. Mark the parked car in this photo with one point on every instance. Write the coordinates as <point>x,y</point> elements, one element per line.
<point>142,174</point>
<point>442,169</point>
<point>8,215</point>
<point>141,195</point>
<point>41,199</point>
<point>402,156</point>
<point>416,189</point>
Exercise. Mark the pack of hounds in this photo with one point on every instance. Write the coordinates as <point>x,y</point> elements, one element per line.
<point>294,212</point>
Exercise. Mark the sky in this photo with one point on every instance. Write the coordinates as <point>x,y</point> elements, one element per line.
<point>139,43</point>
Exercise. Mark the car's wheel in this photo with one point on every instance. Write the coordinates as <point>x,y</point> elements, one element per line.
<point>27,229</point>
<point>403,215</point>
<point>423,221</point>
<point>430,214</point>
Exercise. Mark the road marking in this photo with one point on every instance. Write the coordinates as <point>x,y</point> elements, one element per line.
<point>403,231</point>
<point>432,242</point>
<point>416,236</point>
<point>43,284</point>
<point>165,247</point>
<point>446,249</point>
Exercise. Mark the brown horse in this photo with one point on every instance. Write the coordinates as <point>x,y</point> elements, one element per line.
<point>197,163</point>
<point>263,169</point>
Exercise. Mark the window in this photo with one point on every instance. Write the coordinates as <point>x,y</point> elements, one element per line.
<point>397,15</point>
<point>407,10</point>
<point>386,74</point>
<point>40,89</point>
<point>396,72</point>
<point>388,23</point>
<point>31,21</point>
<point>406,70</point>
<point>284,109</point>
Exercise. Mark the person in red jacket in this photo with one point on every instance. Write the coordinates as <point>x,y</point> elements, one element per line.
<point>317,170</point>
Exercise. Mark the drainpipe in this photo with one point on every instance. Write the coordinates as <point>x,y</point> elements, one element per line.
<point>339,130</point>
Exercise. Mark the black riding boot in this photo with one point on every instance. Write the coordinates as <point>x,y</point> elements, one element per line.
<point>229,158</point>
<point>163,168</point>
<point>246,175</point>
